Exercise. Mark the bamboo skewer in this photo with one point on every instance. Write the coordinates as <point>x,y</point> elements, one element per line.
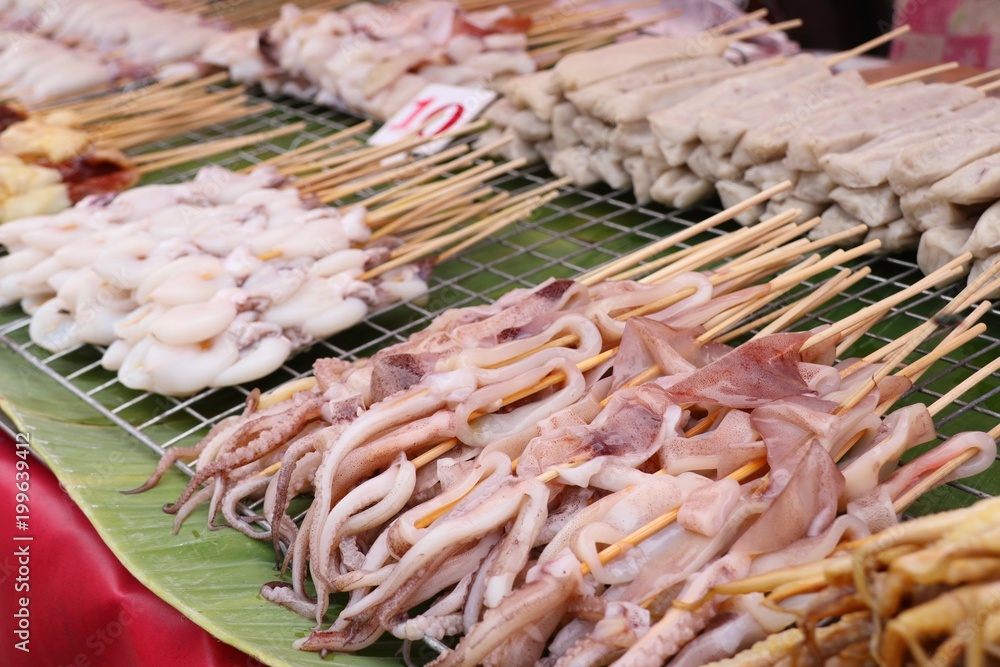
<point>843,56</point>
<point>130,118</point>
<point>461,159</point>
<point>135,101</point>
<point>593,38</point>
<point>764,30</point>
<point>749,17</point>
<point>378,153</point>
<point>499,224</point>
<point>965,298</point>
<point>605,13</point>
<point>947,271</point>
<point>824,264</point>
<point>577,24</point>
<point>979,78</point>
<point>300,154</point>
<point>492,222</point>
<point>676,263</point>
<point>364,176</point>
<point>151,162</point>
<point>953,394</point>
<point>794,311</point>
<point>896,356</point>
<point>459,212</point>
<point>989,87</point>
<point>475,175</point>
<point>347,168</point>
<point>499,218</point>
<point>596,276</point>
<point>390,193</point>
<point>425,225</point>
<point>914,76</point>
<point>955,306</point>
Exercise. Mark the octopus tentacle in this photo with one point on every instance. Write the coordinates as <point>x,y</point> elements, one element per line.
<point>276,431</point>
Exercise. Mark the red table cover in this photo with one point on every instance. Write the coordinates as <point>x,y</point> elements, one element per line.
<point>84,608</point>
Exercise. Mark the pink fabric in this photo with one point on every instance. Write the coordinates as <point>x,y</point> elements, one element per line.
<point>966,31</point>
<point>84,607</point>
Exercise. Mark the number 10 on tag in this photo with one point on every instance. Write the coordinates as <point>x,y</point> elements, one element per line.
<point>437,109</point>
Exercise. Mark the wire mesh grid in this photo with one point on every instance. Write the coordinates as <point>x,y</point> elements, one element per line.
<point>579,230</point>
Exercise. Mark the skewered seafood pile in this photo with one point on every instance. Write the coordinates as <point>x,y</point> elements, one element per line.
<point>912,161</point>
<point>50,52</point>
<point>46,165</point>
<point>51,160</point>
<point>216,281</point>
<point>481,464</point>
<point>924,592</point>
<point>373,60</point>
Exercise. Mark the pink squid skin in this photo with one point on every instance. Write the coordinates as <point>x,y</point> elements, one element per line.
<point>729,446</point>
<point>489,473</point>
<point>628,429</point>
<point>678,627</point>
<point>911,474</point>
<point>556,295</point>
<point>727,634</point>
<point>698,315</point>
<point>902,430</point>
<point>487,359</point>
<point>405,407</point>
<point>547,586</point>
<point>504,504</point>
<point>625,296</point>
<point>494,386</point>
<point>647,342</point>
<point>804,505</point>
<point>622,625</point>
<point>372,502</point>
<point>766,370</point>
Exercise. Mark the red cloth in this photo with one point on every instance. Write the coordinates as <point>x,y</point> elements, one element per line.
<point>84,608</point>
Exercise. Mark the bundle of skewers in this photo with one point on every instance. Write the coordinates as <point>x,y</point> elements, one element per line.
<point>923,592</point>
<point>481,465</point>
<point>373,59</point>
<point>51,52</point>
<point>217,281</point>
<point>915,162</point>
<point>50,160</point>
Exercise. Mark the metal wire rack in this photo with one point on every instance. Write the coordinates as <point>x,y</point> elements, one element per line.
<point>576,232</point>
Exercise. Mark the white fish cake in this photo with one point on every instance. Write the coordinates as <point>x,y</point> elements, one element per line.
<point>976,183</point>
<point>940,245</point>
<point>873,206</point>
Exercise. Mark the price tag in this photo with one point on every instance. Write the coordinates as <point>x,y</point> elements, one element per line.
<point>438,108</point>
